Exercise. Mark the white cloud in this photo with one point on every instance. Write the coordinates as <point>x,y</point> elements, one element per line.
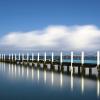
<point>68,37</point>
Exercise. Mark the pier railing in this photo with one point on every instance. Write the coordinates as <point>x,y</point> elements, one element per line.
<point>61,59</point>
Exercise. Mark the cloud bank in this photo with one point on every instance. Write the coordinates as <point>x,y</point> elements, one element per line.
<point>85,37</point>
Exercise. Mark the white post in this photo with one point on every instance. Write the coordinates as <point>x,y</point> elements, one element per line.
<point>71,60</point>
<point>45,56</point>
<point>27,56</point>
<point>61,58</point>
<point>22,56</point>
<point>71,57</point>
<point>98,58</point>
<point>19,56</point>
<point>32,56</point>
<point>9,56</point>
<point>38,56</point>
<point>82,57</point>
<point>12,56</point>
<point>52,56</point>
<point>15,57</point>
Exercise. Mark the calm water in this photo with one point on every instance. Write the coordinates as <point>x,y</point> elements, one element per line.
<point>26,83</point>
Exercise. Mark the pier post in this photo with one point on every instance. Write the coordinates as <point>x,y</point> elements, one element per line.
<point>12,57</point>
<point>98,58</point>
<point>82,58</point>
<point>61,58</point>
<point>38,57</point>
<point>45,57</point>
<point>22,58</point>
<point>45,66</point>
<point>71,60</point>
<point>19,56</point>
<point>15,57</point>
<point>98,61</point>
<point>82,62</point>
<point>27,57</point>
<point>32,57</point>
<point>9,57</point>
<point>52,56</point>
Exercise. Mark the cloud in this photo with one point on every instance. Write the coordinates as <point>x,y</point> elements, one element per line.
<point>85,37</point>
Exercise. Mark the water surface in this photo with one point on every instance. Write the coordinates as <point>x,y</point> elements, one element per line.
<point>28,83</point>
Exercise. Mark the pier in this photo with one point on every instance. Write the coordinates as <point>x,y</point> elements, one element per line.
<point>70,61</point>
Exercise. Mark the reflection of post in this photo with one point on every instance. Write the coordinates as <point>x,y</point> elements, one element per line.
<point>32,73</point>
<point>22,71</point>
<point>38,74</point>
<point>27,72</point>
<point>12,69</point>
<point>15,70</point>
<point>19,70</point>
<point>98,87</point>
<point>61,79</point>
<point>71,80</point>
<point>52,78</point>
<point>4,67</point>
<point>44,76</point>
<point>71,60</point>
<point>82,84</point>
<point>9,68</point>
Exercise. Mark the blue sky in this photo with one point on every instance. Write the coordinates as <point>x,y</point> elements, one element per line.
<point>26,15</point>
<point>57,23</point>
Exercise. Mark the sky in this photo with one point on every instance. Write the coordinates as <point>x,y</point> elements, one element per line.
<point>69,24</point>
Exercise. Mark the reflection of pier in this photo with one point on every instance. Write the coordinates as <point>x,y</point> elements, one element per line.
<point>60,61</point>
<point>17,71</point>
